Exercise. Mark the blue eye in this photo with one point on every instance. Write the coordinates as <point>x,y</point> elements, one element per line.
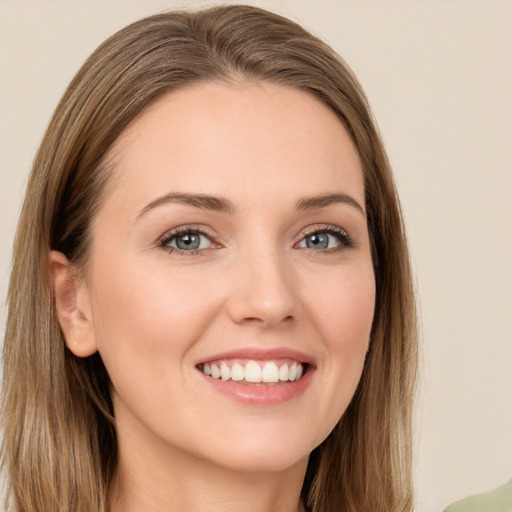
<point>326,239</point>
<point>187,241</point>
<point>320,241</point>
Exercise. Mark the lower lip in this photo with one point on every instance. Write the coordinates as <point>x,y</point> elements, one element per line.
<point>261,394</point>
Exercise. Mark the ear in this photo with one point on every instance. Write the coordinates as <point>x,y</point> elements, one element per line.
<point>73,304</point>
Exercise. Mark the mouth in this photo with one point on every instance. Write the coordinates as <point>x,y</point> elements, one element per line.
<point>258,377</point>
<point>253,372</point>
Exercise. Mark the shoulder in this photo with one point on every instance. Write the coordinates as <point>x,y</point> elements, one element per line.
<point>499,500</point>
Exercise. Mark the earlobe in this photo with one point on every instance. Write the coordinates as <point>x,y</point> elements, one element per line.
<point>73,306</point>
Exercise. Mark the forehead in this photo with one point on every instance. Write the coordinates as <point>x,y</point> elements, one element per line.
<point>243,140</point>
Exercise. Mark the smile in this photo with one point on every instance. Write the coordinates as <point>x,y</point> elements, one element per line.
<point>258,377</point>
<point>255,372</point>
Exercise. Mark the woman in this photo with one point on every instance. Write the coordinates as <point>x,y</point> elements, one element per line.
<point>211,303</point>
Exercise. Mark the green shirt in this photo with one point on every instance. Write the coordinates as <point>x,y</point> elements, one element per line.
<point>499,500</point>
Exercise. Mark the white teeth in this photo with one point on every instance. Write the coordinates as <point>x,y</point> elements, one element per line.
<point>283,372</point>
<point>225,372</point>
<point>270,373</point>
<point>215,371</point>
<point>252,372</point>
<point>237,372</point>
<point>293,372</point>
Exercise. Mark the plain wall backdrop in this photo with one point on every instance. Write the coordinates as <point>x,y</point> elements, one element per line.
<point>438,75</point>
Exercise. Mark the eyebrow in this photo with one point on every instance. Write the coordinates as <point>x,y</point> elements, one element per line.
<point>324,200</point>
<point>202,201</point>
<point>220,204</point>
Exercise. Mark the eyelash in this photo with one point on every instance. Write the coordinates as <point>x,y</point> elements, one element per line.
<point>181,231</point>
<point>346,241</point>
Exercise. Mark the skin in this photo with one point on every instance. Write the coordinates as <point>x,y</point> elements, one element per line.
<point>153,312</point>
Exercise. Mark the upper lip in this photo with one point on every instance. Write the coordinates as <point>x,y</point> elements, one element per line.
<point>261,354</point>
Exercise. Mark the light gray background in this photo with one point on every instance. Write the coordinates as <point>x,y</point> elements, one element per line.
<point>438,74</point>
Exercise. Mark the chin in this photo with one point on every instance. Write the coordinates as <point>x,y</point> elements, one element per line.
<point>263,453</point>
<point>259,462</point>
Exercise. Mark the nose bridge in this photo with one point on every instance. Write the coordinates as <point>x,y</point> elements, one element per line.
<point>264,288</point>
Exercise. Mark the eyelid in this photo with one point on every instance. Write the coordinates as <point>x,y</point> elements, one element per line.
<point>315,228</point>
<point>344,238</point>
<point>164,239</point>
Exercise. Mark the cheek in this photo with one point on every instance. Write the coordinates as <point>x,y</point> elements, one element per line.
<point>343,314</point>
<point>146,318</point>
<point>344,308</point>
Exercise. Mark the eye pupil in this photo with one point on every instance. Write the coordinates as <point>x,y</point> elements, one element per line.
<point>188,241</point>
<point>317,241</point>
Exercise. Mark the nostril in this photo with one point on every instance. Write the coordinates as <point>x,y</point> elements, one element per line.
<point>263,294</point>
<point>266,320</point>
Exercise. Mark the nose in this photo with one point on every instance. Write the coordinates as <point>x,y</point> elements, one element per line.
<point>263,290</point>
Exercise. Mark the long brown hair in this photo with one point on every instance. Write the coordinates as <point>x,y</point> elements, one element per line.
<point>59,446</point>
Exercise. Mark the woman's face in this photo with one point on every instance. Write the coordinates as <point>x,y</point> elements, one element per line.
<point>233,241</point>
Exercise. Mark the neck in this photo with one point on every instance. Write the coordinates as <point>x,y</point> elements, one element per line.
<point>165,479</point>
